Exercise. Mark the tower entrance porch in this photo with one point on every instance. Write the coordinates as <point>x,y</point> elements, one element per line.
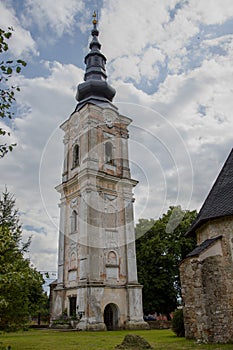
<point>111,316</point>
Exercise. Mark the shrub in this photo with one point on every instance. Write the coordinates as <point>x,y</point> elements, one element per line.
<point>178,323</point>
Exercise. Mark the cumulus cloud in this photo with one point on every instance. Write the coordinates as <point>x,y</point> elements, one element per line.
<point>21,43</point>
<point>126,68</point>
<point>34,168</point>
<point>59,16</point>
<point>171,32</point>
<point>215,13</point>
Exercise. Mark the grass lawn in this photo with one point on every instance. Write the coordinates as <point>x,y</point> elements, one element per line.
<point>60,340</point>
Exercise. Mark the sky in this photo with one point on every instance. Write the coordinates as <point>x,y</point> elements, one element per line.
<point>170,62</point>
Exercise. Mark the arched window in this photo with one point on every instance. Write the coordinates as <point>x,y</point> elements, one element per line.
<point>112,258</point>
<point>74,221</point>
<point>112,268</point>
<point>76,156</point>
<point>108,153</point>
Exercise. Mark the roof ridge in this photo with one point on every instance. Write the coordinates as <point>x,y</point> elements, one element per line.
<point>218,202</point>
<point>203,246</point>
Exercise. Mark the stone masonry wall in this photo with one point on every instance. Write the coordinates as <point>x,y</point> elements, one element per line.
<point>208,297</point>
<point>207,285</point>
<point>215,292</point>
<point>191,282</point>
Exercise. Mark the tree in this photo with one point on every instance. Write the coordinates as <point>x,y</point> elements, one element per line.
<point>7,69</point>
<point>43,311</point>
<point>21,288</point>
<point>159,252</point>
<point>178,323</point>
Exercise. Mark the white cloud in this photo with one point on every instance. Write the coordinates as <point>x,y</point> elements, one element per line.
<point>33,169</point>
<point>59,16</point>
<point>148,63</point>
<point>126,68</point>
<point>199,105</point>
<point>127,27</point>
<point>176,34</point>
<point>215,12</point>
<point>21,43</point>
<point>171,29</point>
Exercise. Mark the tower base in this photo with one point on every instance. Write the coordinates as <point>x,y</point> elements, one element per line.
<point>85,326</point>
<point>136,325</point>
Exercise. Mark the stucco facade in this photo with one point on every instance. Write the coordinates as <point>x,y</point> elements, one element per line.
<point>97,272</point>
<point>97,260</point>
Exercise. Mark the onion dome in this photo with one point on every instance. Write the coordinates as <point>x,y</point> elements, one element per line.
<point>95,88</point>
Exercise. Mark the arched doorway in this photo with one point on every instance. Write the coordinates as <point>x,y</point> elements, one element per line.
<point>111,317</point>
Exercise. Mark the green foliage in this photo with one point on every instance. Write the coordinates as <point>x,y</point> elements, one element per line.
<point>7,69</point>
<point>43,308</point>
<point>21,289</point>
<point>9,221</point>
<point>178,323</point>
<point>134,341</point>
<point>161,247</point>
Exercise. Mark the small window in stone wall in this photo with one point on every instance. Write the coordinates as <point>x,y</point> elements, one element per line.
<point>112,266</point>
<point>74,221</point>
<point>108,153</point>
<point>75,156</point>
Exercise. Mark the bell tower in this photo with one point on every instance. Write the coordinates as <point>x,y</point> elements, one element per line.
<point>97,272</point>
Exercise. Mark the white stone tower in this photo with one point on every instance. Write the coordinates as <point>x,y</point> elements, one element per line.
<point>97,272</point>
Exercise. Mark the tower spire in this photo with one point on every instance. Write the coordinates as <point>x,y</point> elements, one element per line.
<point>95,88</point>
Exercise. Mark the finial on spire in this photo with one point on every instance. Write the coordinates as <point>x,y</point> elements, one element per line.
<point>95,21</point>
<point>95,88</point>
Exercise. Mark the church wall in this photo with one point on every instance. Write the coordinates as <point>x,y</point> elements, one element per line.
<point>214,228</point>
<point>207,286</point>
<point>191,281</point>
<point>218,310</point>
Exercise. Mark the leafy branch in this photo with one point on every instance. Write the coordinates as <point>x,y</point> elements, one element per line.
<point>7,93</point>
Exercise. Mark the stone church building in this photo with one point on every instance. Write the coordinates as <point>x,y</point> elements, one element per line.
<point>97,272</point>
<point>207,272</point>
